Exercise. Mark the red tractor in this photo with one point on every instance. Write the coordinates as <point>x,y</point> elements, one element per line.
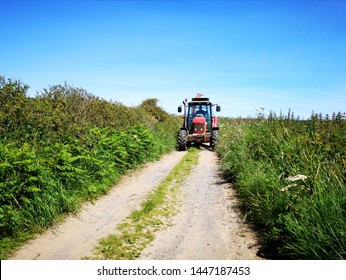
<point>200,124</point>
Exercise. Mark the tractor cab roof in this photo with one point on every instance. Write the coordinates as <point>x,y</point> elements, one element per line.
<point>200,101</point>
<point>200,98</point>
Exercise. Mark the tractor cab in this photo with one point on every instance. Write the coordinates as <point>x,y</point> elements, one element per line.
<point>200,124</point>
<point>197,114</point>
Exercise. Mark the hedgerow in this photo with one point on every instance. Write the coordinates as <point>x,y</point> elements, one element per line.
<point>290,178</point>
<point>65,146</point>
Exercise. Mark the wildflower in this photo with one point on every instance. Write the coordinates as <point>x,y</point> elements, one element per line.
<point>296,178</point>
<point>287,187</point>
<point>293,179</point>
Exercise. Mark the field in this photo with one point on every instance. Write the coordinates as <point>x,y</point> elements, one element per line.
<point>290,178</point>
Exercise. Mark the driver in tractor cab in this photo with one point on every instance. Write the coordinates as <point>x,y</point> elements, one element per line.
<point>200,111</point>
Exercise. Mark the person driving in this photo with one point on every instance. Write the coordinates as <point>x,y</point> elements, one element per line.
<point>200,111</point>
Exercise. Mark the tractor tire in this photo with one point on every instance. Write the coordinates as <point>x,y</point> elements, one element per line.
<point>182,140</point>
<point>213,139</point>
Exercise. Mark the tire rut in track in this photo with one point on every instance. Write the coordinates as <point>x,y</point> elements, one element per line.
<point>208,225</point>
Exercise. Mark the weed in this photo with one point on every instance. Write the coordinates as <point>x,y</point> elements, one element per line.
<point>290,177</point>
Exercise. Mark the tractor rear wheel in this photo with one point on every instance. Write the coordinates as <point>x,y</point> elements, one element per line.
<point>213,139</point>
<point>182,140</point>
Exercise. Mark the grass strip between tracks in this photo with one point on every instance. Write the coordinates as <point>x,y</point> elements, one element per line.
<point>137,230</point>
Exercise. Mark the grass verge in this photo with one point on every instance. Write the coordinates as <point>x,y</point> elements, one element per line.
<point>290,178</point>
<point>137,230</point>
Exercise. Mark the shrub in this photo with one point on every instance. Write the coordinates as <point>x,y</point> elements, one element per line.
<point>65,146</point>
<point>290,177</point>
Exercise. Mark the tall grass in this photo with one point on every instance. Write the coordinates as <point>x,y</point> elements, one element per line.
<point>65,146</point>
<point>290,177</point>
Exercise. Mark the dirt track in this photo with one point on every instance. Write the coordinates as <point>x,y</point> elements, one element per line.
<point>207,225</point>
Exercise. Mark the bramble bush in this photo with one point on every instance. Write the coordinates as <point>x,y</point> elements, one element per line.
<point>290,178</point>
<point>65,146</point>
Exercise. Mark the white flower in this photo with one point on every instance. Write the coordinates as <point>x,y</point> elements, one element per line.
<point>287,187</point>
<point>296,178</point>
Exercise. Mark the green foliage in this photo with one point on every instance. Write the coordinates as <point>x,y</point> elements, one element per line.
<point>150,106</point>
<point>30,194</point>
<point>65,146</point>
<point>12,104</point>
<point>290,177</point>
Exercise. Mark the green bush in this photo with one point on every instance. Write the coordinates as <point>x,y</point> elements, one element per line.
<point>65,146</point>
<point>290,177</point>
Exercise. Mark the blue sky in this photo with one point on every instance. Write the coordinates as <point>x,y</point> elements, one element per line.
<point>244,55</point>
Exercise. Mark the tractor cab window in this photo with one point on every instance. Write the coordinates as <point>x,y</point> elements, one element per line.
<point>199,111</point>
